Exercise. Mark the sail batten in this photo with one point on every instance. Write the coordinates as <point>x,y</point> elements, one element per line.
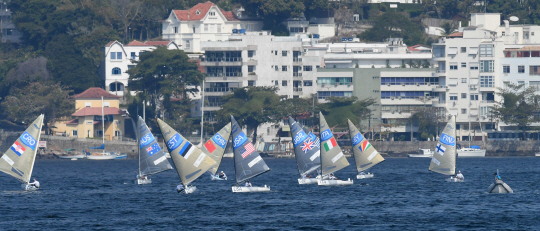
<point>190,161</point>
<point>247,161</point>
<point>306,148</point>
<point>365,154</point>
<point>152,159</point>
<point>444,157</point>
<point>18,160</point>
<point>215,146</point>
<point>332,158</point>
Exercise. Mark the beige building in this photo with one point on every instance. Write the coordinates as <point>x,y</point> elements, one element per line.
<point>87,120</point>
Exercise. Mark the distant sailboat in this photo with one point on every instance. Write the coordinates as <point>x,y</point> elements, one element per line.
<point>190,162</point>
<point>215,147</point>
<point>365,154</point>
<point>332,158</point>
<point>444,158</point>
<point>103,155</point>
<point>247,161</point>
<point>152,160</point>
<point>18,160</point>
<point>307,152</point>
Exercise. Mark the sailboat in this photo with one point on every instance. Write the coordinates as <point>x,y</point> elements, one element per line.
<point>215,147</point>
<point>306,151</point>
<point>365,154</point>
<point>18,160</point>
<point>444,158</point>
<point>247,161</point>
<point>103,155</point>
<point>332,158</point>
<point>190,161</point>
<point>152,160</point>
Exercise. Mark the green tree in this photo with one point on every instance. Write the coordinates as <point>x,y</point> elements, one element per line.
<point>253,105</point>
<point>338,109</point>
<point>395,25</point>
<point>48,98</point>
<point>427,120</point>
<point>519,106</point>
<point>295,106</point>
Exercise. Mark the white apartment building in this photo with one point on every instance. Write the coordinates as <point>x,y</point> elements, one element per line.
<point>10,33</point>
<point>320,28</point>
<point>118,59</point>
<point>204,22</point>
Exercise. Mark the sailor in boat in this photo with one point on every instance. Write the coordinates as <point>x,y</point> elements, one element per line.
<point>306,176</point>
<point>35,183</point>
<point>460,176</point>
<point>332,177</point>
<point>180,188</point>
<point>248,184</point>
<point>497,177</point>
<point>222,175</point>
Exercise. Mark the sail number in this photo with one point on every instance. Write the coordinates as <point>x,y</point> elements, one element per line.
<point>146,140</point>
<point>448,140</point>
<point>28,140</point>
<point>326,135</point>
<point>239,140</point>
<point>219,140</point>
<point>357,139</point>
<point>300,136</point>
<point>174,142</point>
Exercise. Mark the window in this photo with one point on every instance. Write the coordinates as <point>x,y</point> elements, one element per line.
<point>218,28</point>
<point>205,27</point>
<point>463,64</point>
<point>251,54</point>
<point>485,111</point>
<point>463,95</point>
<point>308,68</point>
<point>275,52</point>
<point>463,49</point>
<point>251,83</point>
<point>535,84</point>
<point>486,66</point>
<point>176,30</point>
<point>88,104</point>
<point>521,82</point>
<point>212,13</point>
<point>506,69</point>
<point>106,104</point>
<point>463,111</point>
<point>277,83</point>
<point>324,94</point>
<point>521,69</point>
<point>503,33</point>
<point>9,31</point>
<point>534,70</point>
<point>116,71</point>
<point>276,67</point>
<point>453,97</point>
<point>334,80</point>
<point>198,12</point>
<point>133,55</point>
<point>474,97</point>
<point>486,81</point>
<point>74,132</point>
<point>251,68</point>
<point>463,80</point>
<point>453,66</point>
<point>194,30</point>
<point>116,55</point>
<point>99,133</point>
<point>308,83</point>
<point>188,44</point>
<point>486,50</point>
<point>473,66</point>
<point>284,53</point>
<point>284,83</point>
<point>283,68</point>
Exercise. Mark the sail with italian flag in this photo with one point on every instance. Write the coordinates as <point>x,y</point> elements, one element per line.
<point>332,158</point>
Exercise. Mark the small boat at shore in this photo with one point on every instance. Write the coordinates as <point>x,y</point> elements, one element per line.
<point>425,153</point>
<point>71,154</point>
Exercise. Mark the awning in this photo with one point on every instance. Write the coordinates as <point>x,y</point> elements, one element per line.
<point>452,50</point>
<point>474,81</point>
<point>473,50</point>
<point>452,82</point>
<point>285,128</point>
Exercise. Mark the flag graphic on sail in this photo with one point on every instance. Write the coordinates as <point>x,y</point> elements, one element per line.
<point>18,160</point>
<point>215,146</point>
<point>247,161</point>
<point>332,158</point>
<point>306,149</point>
<point>444,159</point>
<point>365,155</point>
<point>152,159</point>
<point>190,162</point>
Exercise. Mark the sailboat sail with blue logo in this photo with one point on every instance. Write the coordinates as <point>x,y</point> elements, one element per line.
<point>332,158</point>
<point>444,158</point>
<point>152,159</point>
<point>190,161</point>
<point>306,151</point>
<point>365,154</point>
<point>18,160</point>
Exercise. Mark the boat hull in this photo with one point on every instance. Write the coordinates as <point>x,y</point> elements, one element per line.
<point>499,187</point>
<point>419,156</point>
<point>120,157</point>
<point>143,181</point>
<point>28,187</point>
<point>471,153</point>
<point>537,154</point>
<point>213,177</point>
<point>334,182</point>
<point>364,176</point>
<point>190,189</point>
<point>307,181</point>
<point>453,179</point>
<point>81,156</point>
<point>239,189</point>
<point>105,157</point>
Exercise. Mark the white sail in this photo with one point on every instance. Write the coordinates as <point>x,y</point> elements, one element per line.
<point>18,160</point>
<point>332,158</point>
<point>444,158</point>
<point>365,154</point>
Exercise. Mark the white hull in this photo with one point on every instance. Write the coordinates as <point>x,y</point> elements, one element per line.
<point>190,189</point>
<point>364,176</point>
<point>334,182</point>
<point>143,181</point>
<point>419,156</point>
<point>217,177</point>
<point>499,187</point>
<point>469,152</point>
<point>239,189</point>
<point>228,155</point>
<point>28,187</point>
<point>537,154</point>
<point>307,181</point>
<point>105,157</point>
<point>81,156</point>
<point>453,179</point>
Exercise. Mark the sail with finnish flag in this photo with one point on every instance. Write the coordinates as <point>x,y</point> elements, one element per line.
<point>152,159</point>
<point>215,146</point>
<point>444,158</point>
<point>306,148</point>
<point>190,161</point>
<point>365,155</point>
<point>332,158</point>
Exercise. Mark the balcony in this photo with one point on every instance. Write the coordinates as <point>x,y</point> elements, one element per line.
<point>440,88</point>
<point>297,74</point>
<point>439,103</point>
<point>218,91</point>
<point>297,59</point>
<point>297,89</point>
<point>489,88</point>
<point>234,61</point>
<point>212,106</point>
<point>221,74</point>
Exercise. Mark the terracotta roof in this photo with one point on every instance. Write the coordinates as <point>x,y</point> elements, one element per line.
<point>527,48</point>
<point>455,35</point>
<point>135,43</point>
<point>157,43</point>
<point>95,93</point>
<point>191,14</point>
<point>97,111</point>
<point>110,43</point>
<point>73,122</point>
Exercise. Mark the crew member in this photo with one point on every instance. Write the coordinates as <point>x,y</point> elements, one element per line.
<point>35,183</point>
<point>222,175</point>
<point>460,176</point>
<point>180,188</point>
<point>332,177</point>
<point>248,184</point>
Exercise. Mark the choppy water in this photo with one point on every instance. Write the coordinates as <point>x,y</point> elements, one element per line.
<point>404,195</point>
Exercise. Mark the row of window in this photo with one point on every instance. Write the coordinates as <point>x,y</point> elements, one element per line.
<point>295,68</point>
<point>409,80</point>
<point>325,94</point>
<point>334,80</point>
<point>485,65</point>
<point>307,83</point>
<point>533,70</point>
<point>407,94</point>
<point>118,55</point>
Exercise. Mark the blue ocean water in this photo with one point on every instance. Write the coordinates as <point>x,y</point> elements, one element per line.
<point>404,195</point>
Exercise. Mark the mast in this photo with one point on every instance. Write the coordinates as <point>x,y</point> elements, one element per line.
<point>202,114</point>
<point>35,151</point>
<point>103,123</point>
